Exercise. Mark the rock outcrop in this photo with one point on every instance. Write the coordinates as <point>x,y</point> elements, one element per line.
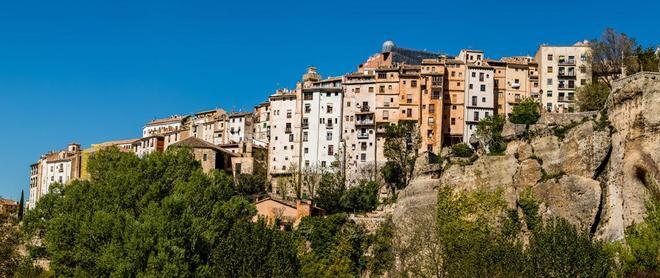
<point>594,169</point>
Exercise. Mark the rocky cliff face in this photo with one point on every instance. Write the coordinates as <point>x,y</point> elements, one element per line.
<point>594,169</point>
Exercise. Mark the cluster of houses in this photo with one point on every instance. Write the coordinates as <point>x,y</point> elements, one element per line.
<point>325,122</point>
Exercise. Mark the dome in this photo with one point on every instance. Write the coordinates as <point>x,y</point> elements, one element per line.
<point>388,46</point>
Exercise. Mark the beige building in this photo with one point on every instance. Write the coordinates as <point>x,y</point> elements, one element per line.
<point>8,207</point>
<point>453,119</point>
<point>287,213</point>
<point>562,69</point>
<point>359,123</point>
<point>210,156</point>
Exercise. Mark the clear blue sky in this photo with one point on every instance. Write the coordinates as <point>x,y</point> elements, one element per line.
<point>92,71</point>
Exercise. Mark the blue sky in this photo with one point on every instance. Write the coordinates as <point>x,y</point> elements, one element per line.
<point>92,71</point>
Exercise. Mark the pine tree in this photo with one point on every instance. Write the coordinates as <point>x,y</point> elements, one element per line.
<point>21,206</point>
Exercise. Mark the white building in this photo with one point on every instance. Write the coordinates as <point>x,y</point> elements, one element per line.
<point>54,167</point>
<point>562,69</point>
<point>283,150</point>
<point>162,126</point>
<point>239,127</point>
<point>321,122</point>
<point>209,126</point>
<point>147,145</point>
<point>479,94</point>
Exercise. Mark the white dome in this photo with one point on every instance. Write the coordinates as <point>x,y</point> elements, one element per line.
<point>387,46</point>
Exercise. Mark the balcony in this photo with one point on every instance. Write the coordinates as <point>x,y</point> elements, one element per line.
<point>515,85</point>
<point>436,84</point>
<point>329,125</point>
<point>566,98</point>
<point>368,121</point>
<point>287,130</point>
<point>566,87</point>
<point>567,62</point>
<point>364,108</point>
<point>363,135</point>
<point>566,74</point>
<point>305,126</point>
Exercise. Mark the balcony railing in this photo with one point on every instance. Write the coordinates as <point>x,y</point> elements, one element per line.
<point>361,135</point>
<point>566,74</point>
<point>364,122</point>
<point>566,99</point>
<point>567,62</point>
<point>287,130</point>
<point>436,84</point>
<point>364,108</point>
<point>305,126</point>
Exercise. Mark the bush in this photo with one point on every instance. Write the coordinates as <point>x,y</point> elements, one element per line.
<point>526,112</point>
<point>361,198</point>
<point>462,150</point>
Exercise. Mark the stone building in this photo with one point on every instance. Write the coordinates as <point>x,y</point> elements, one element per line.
<point>210,156</point>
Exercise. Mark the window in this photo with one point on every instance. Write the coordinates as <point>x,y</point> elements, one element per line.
<point>382,75</point>
<point>291,137</point>
<point>305,136</point>
<point>483,99</point>
<point>409,112</point>
<point>474,101</point>
<point>583,57</point>
<point>322,163</point>
<point>483,88</point>
<point>479,57</point>
<point>549,57</point>
<point>371,89</point>
<point>474,74</point>
<point>357,90</point>
<point>205,157</point>
<point>486,115</point>
<point>476,115</point>
<point>386,115</point>
<point>453,107</point>
<point>328,136</point>
<point>381,89</point>
<point>453,121</point>
<point>470,86</point>
<point>348,104</point>
<point>413,83</point>
<point>481,76</point>
<point>429,133</point>
<point>308,108</point>
<point>363,157</point>
<point>550,69</point>
<point>549,93</point>
<point>431,108</point>
<point>453,73</point>
<point>549,81</point>
<point>288,114</point>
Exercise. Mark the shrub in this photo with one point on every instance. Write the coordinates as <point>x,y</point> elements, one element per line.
<point>526,112</point>
<point>462,150</point>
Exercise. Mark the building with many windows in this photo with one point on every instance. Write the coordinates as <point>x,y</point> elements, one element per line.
<point>479,93</point>
<point>562,70</point>
<point>54,167</point>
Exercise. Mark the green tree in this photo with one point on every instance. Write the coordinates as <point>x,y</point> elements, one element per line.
<point>592,96</point>
<point>489,132</point>
<point>560,250</point>
<point>462,150</point>
<point>401,144</point>
<point>251,184</point>
<point>361,198</point>
<point>526,112</point>
<point>21,206</point>
<point>383,254</point>
<point>156,216</point>
<point>329,193</point>
<point>642,253</point>
<point>644,59</point>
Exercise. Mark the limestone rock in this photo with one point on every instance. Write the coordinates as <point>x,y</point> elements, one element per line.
<point>584,149</point>
<point>511,131</point>
<point>419,195</point>
<point>547,149</point>
<point>528,174</point>
<point>634,112</point>
<point>574,198</point>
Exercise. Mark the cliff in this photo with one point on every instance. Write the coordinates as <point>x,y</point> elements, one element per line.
<point>594,169</point>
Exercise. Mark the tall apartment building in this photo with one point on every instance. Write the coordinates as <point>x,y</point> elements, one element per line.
<point>261,128</point>
<point>54,167</point>
<point>321,122</point>
<point>479,93</point>
<point>359,123</point>
<point>562,70</point>
<point>432,82</point>
<point>284,144</point>
<point>453,118</point>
